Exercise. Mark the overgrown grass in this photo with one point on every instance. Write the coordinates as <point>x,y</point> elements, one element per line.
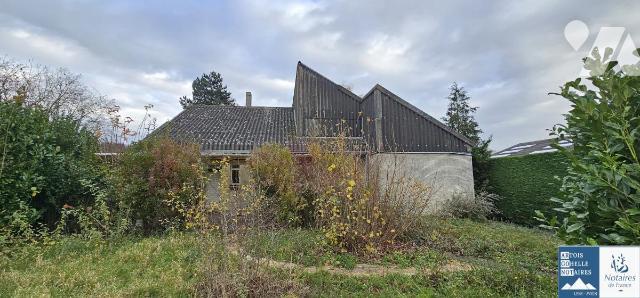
<point>438,240</point>
<point>291,245</point>
<point>496,242</point>
<point>506,261</point>
<point>482,282</point>
<point>152,266</point>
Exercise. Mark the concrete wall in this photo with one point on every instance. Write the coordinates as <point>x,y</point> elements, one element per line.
<point>212,187</point>
<point>447,173</point>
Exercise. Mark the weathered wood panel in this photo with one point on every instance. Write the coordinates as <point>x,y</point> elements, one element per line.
<point>407,129</point>
<point>322,107</point>
<point>387,122</point>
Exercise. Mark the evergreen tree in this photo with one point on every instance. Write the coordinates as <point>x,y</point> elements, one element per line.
<point>461,117</point>
<point>208,90</point>
<point>460,114</point>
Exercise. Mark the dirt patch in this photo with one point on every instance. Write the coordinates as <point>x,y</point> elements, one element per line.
<point>363,270</point>
<point>456,265</point>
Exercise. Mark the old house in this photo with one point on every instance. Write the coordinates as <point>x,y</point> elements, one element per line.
<point>402,136</point>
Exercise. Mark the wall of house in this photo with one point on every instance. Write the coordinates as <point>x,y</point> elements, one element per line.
<point>213,193</point>
<point>447,173</point>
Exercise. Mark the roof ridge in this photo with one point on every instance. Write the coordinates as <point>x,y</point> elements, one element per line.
<point>342,88</point>
<point>236,107</point>
<point>532,147</point>
<point>535,141</point>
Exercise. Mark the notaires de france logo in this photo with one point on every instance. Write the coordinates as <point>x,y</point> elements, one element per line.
<point>618,264</point>
<point>619,271</point>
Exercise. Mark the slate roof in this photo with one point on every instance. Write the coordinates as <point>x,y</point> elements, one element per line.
<point>533,147</point>
<point>232,128</point>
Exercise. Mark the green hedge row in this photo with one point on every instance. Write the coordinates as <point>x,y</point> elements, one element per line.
<point>526,183</point>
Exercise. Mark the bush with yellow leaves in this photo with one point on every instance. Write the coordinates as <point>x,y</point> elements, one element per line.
<point>352,209</point>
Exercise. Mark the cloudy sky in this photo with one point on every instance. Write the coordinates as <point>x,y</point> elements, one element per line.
<point>507,54</point>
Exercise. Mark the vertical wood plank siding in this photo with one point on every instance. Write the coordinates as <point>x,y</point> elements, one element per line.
<point>321,107</point>
<point>368,122</point>
<point>407,131</point>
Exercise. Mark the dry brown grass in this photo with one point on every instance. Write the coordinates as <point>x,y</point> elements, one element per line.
<point>228,274</point>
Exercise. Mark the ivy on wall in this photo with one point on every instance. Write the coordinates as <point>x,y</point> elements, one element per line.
<point>526,183</point>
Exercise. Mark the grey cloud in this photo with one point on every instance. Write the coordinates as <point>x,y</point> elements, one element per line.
<point>507,54</point>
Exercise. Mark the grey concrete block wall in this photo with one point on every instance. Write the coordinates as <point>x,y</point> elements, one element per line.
<point>446,173</point>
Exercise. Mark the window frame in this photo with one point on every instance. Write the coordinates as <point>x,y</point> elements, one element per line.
<point>234,168</point>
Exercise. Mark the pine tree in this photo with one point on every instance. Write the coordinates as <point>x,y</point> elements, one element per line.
<point>208,90</point>
<point>461,117</point>
<point>460,114</point>
<point>185,101</point>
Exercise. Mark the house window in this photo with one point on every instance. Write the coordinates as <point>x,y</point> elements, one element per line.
<point>235,175</point>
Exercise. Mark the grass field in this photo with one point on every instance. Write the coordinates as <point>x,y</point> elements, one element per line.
<point>500,260</point>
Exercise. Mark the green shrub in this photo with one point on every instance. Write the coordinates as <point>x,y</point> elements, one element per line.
<point>44,164</point>
<point>153,176</point>
<point>274,169</point>
<point>525,184</point>
<point>479,207</point>
<point>481,162</point>
<point>601,195</point>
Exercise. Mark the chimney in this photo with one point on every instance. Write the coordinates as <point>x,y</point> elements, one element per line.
<point>248,100</point>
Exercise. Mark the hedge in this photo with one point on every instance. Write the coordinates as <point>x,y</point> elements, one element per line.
<point>526,183</point>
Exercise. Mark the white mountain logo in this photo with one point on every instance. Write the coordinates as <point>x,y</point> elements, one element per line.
<point>578,285</point>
